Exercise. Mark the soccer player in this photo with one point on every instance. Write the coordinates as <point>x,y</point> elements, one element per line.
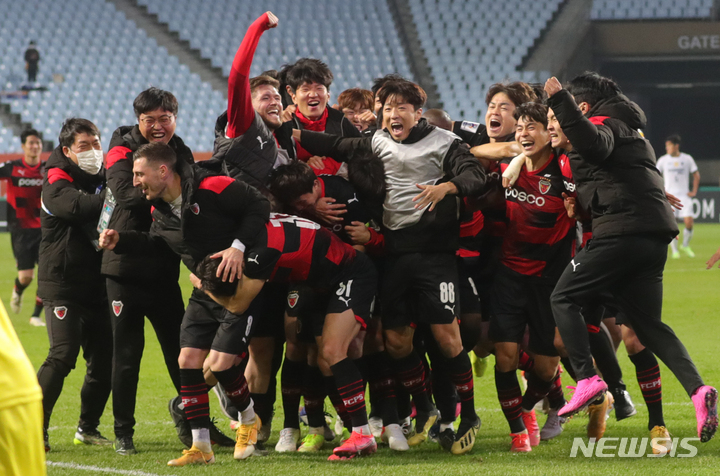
<point>144,283</point>
<point>25,178</point>
<point>536,248</point>
<point>308,84</point>
<point>423,165</point>
<point>632,223</point>
<point>676,168</point>
<point>69,280</point>
<point>191,203</point>
<point>355,104</point>
<point>296,250</point>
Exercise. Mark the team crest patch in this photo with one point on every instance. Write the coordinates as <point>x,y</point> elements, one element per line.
<point>195,208</point>
<point>117,307</point>
<point>544,186</point>
<point>60,312</point>
<point>293,299</point>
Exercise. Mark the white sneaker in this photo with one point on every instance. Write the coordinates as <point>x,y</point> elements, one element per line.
<point>553,426</point>
<point>394,437</point>
<point>37,322</point>
<point>15,301</point>
<point>288,441</point>
<point>376,426</point>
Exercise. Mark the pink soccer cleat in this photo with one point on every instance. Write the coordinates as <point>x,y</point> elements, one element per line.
<point>705,401</point>
<point>531,424</point>
<point>357,445</point>
<point>587,390</point>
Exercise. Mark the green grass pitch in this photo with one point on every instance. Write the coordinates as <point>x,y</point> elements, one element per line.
<point>691,307</point>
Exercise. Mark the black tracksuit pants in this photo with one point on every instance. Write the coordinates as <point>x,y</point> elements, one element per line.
<point>130,301</point>
<point>629,269</point>
<point>70,326</point>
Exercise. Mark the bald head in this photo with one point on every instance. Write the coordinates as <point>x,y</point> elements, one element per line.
<point>438,118</point>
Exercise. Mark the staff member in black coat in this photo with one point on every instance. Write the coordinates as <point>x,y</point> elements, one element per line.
<point>69,280</point>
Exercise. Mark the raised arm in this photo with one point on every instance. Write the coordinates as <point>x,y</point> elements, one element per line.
<point>240,109</point>
<point>328,145</point>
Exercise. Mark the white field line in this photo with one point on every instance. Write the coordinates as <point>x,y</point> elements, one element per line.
<point>98,469</point>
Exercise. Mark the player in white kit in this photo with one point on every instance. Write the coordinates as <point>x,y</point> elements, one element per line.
<point>676,168</point>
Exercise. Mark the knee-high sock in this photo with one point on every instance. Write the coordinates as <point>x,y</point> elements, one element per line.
<point>236,388</point>
<point>314,395</point>
<point>510,398</point>
<point>537,389</point>
<point>460,371</point>
<point>687,236</point>
<point>194,395</point>
<point>648,375</point>
<point>291,380</point>
<point>337,401</point>
<point>410,372</point>
<point>381,385</point>
<point>351,388</point>
<point>525,361</point>
<point>556,398</point>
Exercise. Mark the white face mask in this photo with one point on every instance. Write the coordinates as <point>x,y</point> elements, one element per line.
<point>90,161</point>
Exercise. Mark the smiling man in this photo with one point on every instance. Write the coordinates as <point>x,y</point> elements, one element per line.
<point>425,168</point>
<point>140,284</point>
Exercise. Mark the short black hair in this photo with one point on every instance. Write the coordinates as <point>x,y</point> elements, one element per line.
<point>366,173</point>
<point>378,83</point>
<point>155,98</point>
<point>592,88</point>
<point>288,182</point>
<point>674,138</point>
<point>518,92</point>
<point>403,89</point>
<point>308,70</point>
<point>206,271</point>
<point>157,153</point>
<point>74,126</point>
<point>27,133</point>
<point>534,111</point>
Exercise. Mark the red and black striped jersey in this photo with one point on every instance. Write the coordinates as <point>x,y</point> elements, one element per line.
<point>23,192</point>
<point>293,249</point>
<point>539,236</point>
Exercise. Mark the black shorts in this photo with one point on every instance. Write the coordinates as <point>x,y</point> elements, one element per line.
<point>354,290</point>
<point>520,301</point>
<point>26,247</point>
<point>469,295</point>
<point>269,309</point>
<point>427,282</point>
<point>208,325</point>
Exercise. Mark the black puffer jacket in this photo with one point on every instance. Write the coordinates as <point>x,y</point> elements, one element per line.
<point>132,211</point>
<point>69,268</point>
<point>614,169</point>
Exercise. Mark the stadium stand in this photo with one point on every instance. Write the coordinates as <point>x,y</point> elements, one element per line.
<point>651,10</point>
<point>120,62</point>
<point>472,44</point>
<point>358,40</point>
<point>9,142</point>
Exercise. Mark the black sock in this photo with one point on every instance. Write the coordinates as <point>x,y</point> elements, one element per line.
<point>337,401</point>
<point>525,361</point>
<point>291,380</point>
<point>410,372</point>
<point>555,396</point>
<point>460,371</point>
<point>537,389</point>
<point>510,398</point>
<point>19,287</point>
<point>263,407</point>
<point>603,351</point>
<point>235,385</point>
<point>38,307</point>
<point>351,388</point>
<point>381,387</point>
<point>194,395</point>
<point>648,375</point>
<point>443,391</point>
<point>314,396</point>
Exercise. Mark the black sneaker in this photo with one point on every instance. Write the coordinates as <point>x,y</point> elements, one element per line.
<point>124,446</point>
<point>217,437</point>
<point>90,437</point>
<point>446,438</point>
<point>260,449</point>
<point>624,407</point>
<point>182,427</point>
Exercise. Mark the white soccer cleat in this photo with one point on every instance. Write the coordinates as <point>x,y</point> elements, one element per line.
<point>15,301</point>
<point>288,441</point>
<point>394,437</point>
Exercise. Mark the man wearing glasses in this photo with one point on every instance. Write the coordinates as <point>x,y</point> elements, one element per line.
<point>141,284</point>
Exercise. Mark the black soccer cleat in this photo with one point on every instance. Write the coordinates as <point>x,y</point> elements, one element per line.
<point>624,407</point>
<point>446,438</point>
<point>124,446</point>
<point>182,427</point>
<point>217,437</point>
